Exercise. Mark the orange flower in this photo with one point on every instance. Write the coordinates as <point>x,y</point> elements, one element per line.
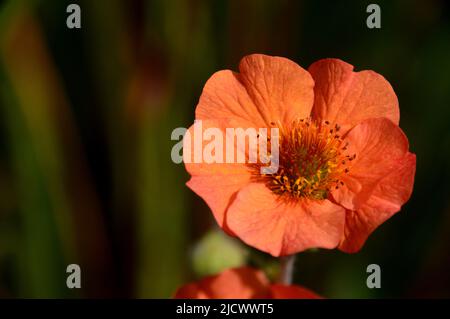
<point>344,164</point>
<point>241,283</point>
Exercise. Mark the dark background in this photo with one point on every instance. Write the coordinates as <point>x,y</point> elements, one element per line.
<point>85,122</point>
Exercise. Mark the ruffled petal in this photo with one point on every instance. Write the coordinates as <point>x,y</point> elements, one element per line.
<point>263,220</point>
<point>380,146</point>
<point>216,183</point>
<point>387,198</point>
<point>268,90</point>
<point>347,98</point>
<point>281,89</point>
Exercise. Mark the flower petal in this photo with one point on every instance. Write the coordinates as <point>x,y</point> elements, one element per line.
<point>224,96</point>
<point>218,199</point>
<point>292,292</point>
<point>346,97</point>
<point>268,89</point>
<point>379,146</point>
<point>202,135</point>
<point>191,291</point>
<point>206,177</point>
<point>263,221</point>
<point>236,283</point>
<point>387,198</point>
<point>280,88</point>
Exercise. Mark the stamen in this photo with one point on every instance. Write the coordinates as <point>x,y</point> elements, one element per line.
<point>311,160</point>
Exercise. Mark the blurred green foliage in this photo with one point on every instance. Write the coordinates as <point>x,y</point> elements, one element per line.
<point>85,123</point>
<point>216,252</point>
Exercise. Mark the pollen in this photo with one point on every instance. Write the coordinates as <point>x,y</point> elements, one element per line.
<point>312,159</point>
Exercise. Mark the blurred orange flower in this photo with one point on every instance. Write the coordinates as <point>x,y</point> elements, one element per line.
<point>344,164</point>
<point>242,283</point>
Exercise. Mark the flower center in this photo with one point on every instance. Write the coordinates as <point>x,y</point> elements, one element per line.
<point>312,157</point>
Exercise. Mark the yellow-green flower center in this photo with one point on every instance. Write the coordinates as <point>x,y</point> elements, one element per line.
<point>311,160</point>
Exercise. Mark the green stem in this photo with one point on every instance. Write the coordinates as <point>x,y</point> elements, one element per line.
<point>287,270</point>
